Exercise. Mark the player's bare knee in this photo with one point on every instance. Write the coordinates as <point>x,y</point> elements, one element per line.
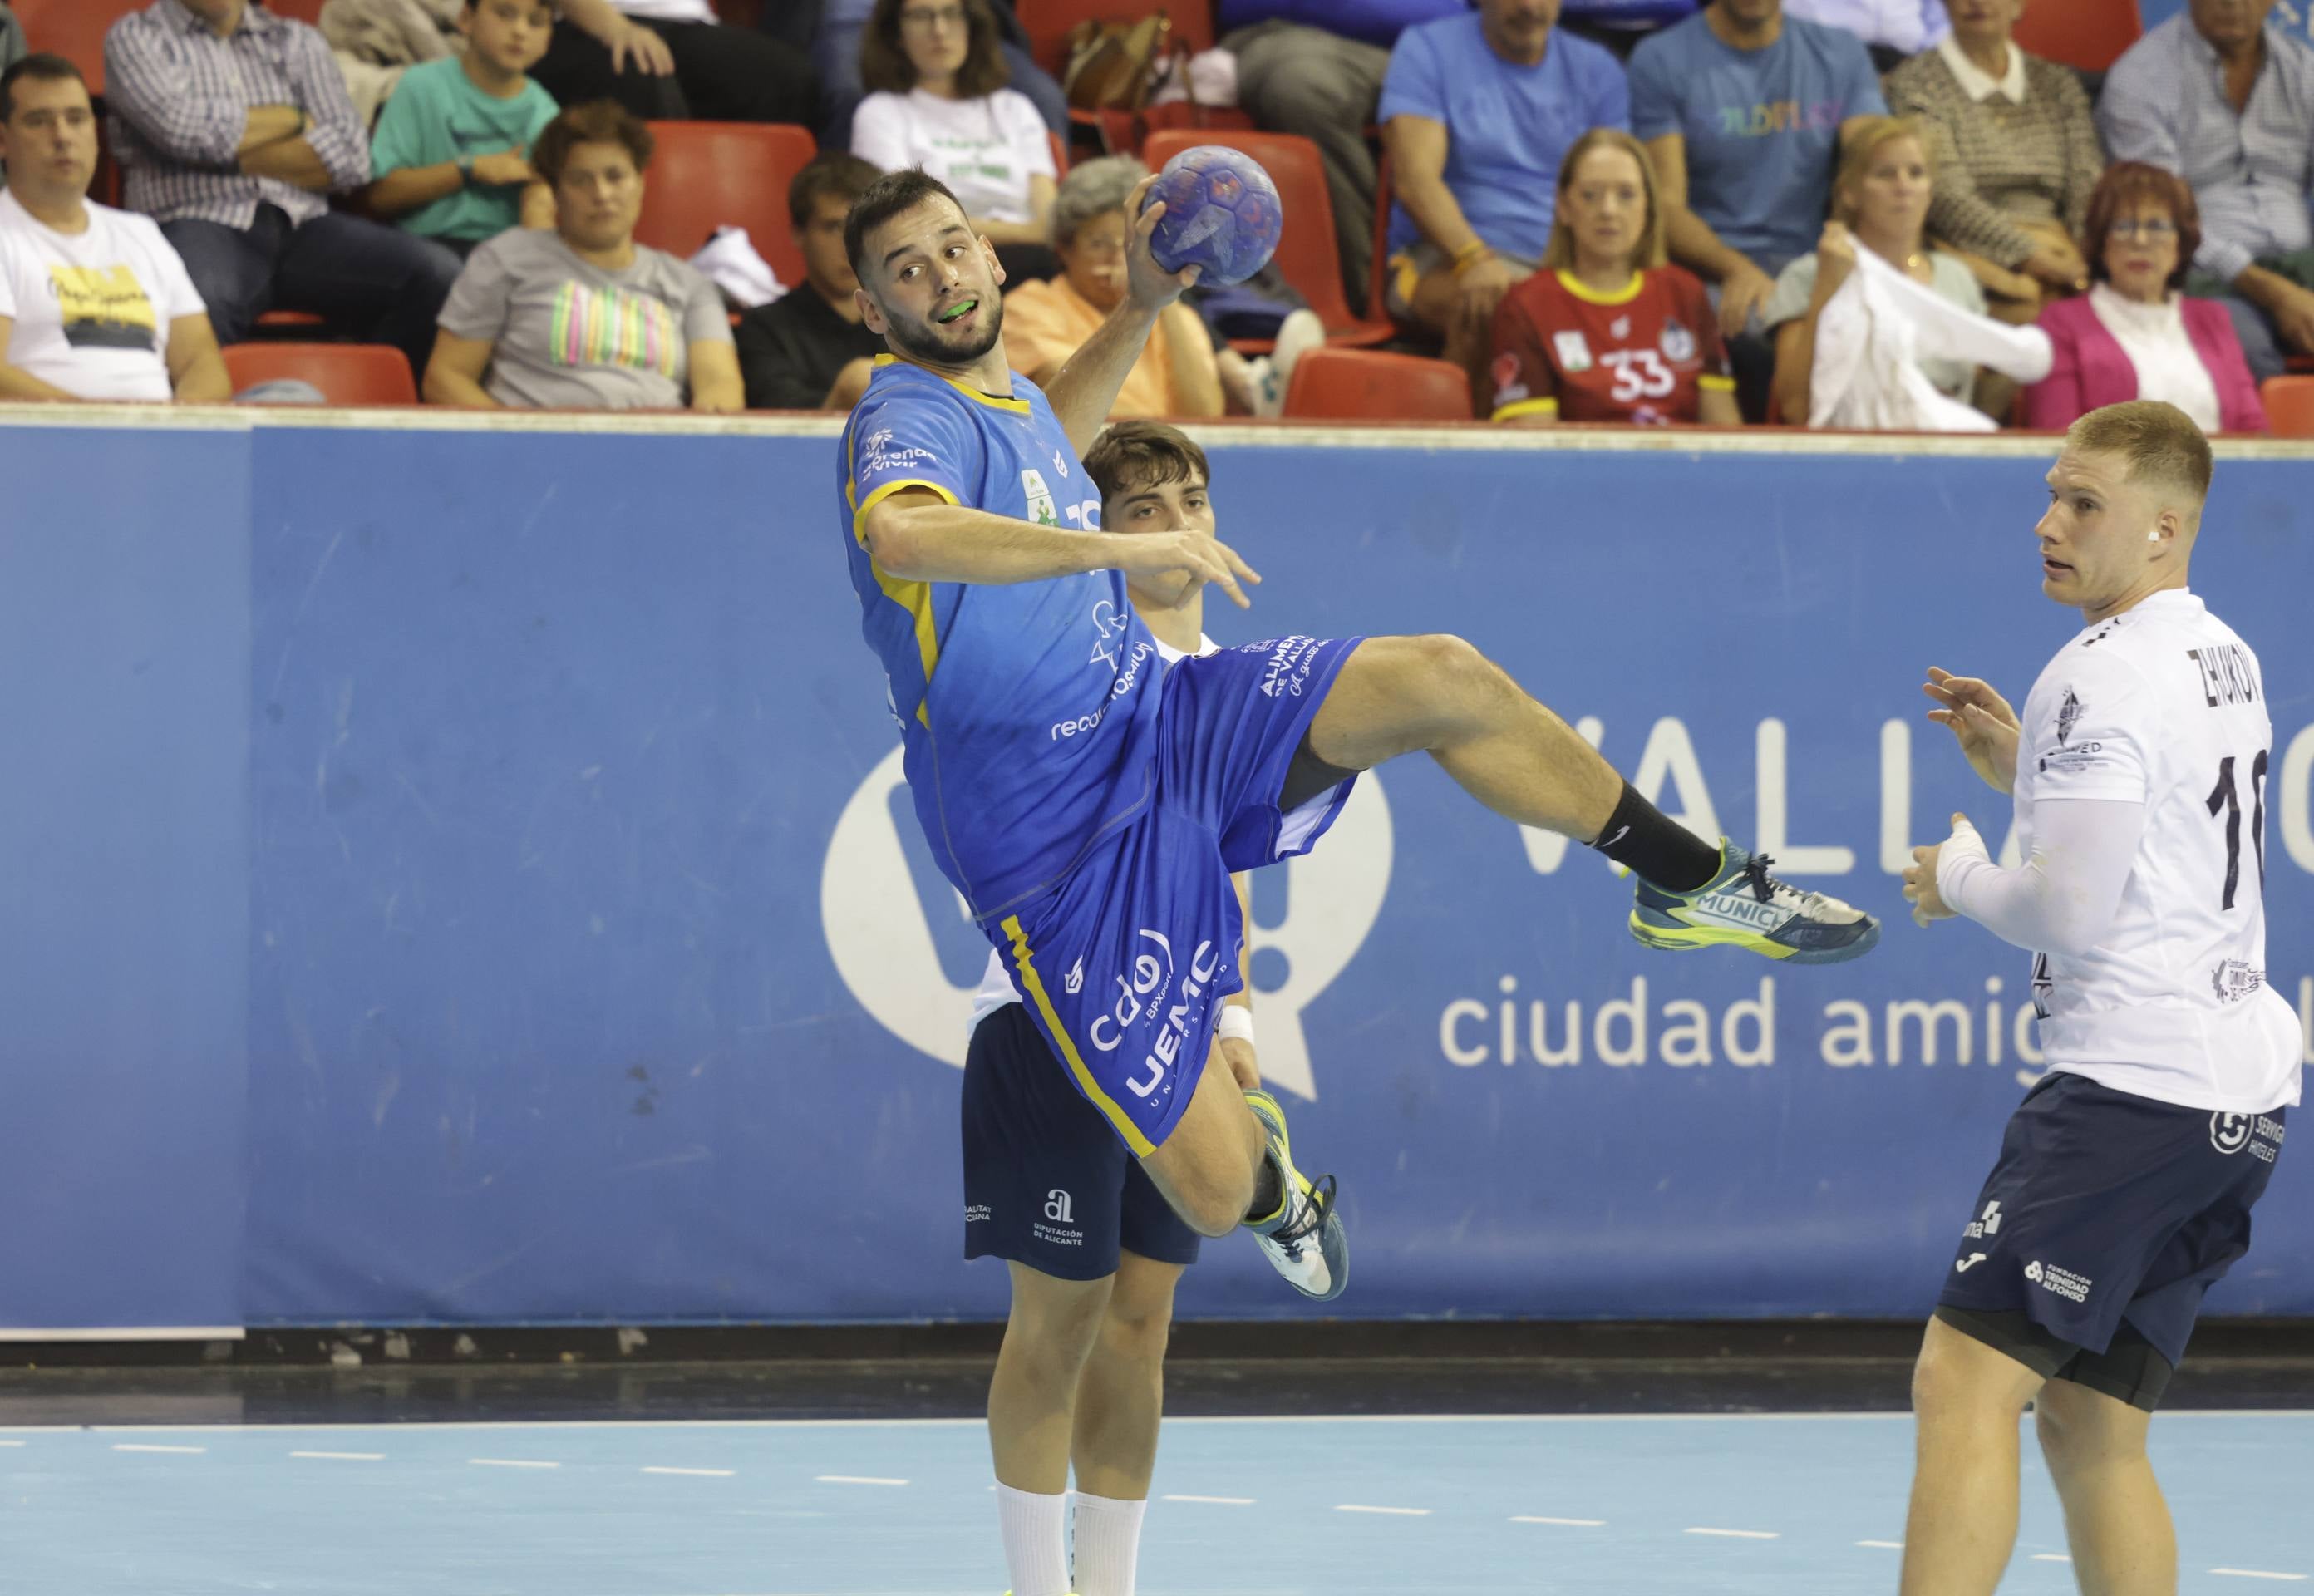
<point>1058,1318</point>
<point>1138,1331</point>
<point>1952,1381</point>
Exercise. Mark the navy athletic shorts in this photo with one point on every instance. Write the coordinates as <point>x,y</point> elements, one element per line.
<point>2108,1214</point>
<point>1046,1183</point>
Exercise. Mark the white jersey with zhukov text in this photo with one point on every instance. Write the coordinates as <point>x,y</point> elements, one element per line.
<point>2163,705</point>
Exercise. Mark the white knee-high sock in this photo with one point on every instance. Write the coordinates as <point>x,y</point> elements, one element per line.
<point>1036,1551</point>
<point>1109,1545</point>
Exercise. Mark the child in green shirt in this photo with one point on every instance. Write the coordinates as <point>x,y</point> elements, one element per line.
<point>452,151</point>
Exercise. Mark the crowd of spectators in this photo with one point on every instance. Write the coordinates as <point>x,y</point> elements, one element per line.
<point>1601,211</point>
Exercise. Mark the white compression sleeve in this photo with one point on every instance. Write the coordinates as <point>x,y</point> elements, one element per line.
<point>2062,899</point>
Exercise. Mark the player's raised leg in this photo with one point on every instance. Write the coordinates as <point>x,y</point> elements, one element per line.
<point>1962,1526</point>
<point>1439,695</point>
<point>2116,1524</point>
<point>1120,1397</point>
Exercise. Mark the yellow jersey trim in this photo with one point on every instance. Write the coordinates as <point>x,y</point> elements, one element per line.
<point>1716,382</point>
<point>1589,295</point>
<point>1033,986</point>
<point>1018,407</point>
<point>1527,407</point>
<point>916,598</point>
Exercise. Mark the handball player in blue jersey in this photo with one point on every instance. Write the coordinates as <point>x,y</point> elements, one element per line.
<point>1089,803</point>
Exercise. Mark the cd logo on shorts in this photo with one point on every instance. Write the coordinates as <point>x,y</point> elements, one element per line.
<point>903,950</point>
<point>2229,1132</point>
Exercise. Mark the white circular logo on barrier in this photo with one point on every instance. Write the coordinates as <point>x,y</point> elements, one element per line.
<point>879,929</point>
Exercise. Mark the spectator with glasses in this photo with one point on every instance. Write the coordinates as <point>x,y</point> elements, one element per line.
<point>2133,335</point>
<point>937,101</point>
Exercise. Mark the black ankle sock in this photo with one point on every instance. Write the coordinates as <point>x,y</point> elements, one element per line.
<point>1269,1190</point>
<point>1654,847</point>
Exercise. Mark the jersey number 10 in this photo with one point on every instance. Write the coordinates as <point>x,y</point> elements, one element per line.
<point>2222,797</point>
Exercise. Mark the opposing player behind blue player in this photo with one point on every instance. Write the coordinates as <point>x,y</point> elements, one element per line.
<point>2126,1177</point>
<point>1094,1250</point>
<point>1089,808</point>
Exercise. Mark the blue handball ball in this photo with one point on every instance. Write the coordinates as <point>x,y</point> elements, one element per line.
<point>1221,213</point>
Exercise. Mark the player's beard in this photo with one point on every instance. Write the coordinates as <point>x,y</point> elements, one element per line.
<point>924,341</point>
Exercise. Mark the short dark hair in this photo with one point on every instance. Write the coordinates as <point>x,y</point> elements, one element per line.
<point>829,174</point>
<point>598,121</point>
<point>2127,185</point>
<point>893,194</point>
<point>41,68</point>
<point>885,67</point>
<point>1144,454</point>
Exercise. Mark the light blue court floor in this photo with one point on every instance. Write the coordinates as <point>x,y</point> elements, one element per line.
<point>1599,1506</point>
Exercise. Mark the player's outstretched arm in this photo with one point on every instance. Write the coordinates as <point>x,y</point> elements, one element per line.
<point>1981,721</point>
<point>1085,389</point>
<point>918,536</point>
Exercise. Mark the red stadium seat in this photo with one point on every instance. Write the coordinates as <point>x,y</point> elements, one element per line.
<point>1048,23</point>
<point>1369,385</point>
<point>349,374</point>
<point>1307,253</point>
<point>74,30</point>
<point>2289,406</point>
<point>300,10</point>
<point>705,175</point>
<point>1378,282</point>
<point>2086,34</point>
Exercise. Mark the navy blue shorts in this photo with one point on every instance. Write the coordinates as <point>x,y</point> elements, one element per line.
<point>1046,1183</point>
<point>1123,965</point>
<point>2107,1208</point>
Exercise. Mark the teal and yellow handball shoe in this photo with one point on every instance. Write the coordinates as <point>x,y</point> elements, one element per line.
<point>1304,1240</point>
<point>1744,907</point>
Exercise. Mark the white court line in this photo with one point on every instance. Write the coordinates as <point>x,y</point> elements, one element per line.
<point>696,1473</point>
<point>1406,1512</point>
<point>2051,1557</point>
<point>1216,1501</point>
<point>1529,1518</point>
<point>1344,1418</point>
<point>344,1457</point>
<point>2258,1573</point>
<point>1884,1546</point>
<point>856,1479</point>
<point>1739,1534</point>
<point>511,1463</point>
<point>16,1444</point>
<point>125,1446</point>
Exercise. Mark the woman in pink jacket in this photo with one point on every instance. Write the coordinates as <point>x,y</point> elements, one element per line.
<point>2132,335</point>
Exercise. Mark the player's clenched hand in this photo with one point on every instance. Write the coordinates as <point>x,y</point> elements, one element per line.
<point>1170,566</point>
<point>1149,286</point>
<point>1981,720</point>
<point>1920,883</point>
<point>1237,1054</point>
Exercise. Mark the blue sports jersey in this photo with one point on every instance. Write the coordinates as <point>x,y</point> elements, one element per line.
<point>1027,711</point>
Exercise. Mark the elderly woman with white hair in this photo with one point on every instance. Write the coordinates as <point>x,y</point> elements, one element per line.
<point>1185,371</point>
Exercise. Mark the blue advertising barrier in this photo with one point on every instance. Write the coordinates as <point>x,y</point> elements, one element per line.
<point>462,875</point>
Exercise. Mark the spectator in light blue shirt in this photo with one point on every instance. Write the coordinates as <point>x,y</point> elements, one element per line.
<point>2227,102</point>
<point>1479,112</point>
<point>1742,109</point>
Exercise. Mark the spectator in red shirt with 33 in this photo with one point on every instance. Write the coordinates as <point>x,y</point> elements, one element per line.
<point>1608,330</point>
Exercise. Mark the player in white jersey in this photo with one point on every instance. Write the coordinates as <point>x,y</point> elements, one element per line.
<point>1094,1249</point>
<point>2126,1177</point>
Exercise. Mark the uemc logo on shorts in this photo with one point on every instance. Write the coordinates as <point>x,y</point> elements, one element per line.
<point>1142,997</point>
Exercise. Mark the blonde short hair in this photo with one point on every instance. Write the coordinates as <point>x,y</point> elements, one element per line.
<point>2159,442</point>
<point>1558,255</point>
<point>1860,148</point>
